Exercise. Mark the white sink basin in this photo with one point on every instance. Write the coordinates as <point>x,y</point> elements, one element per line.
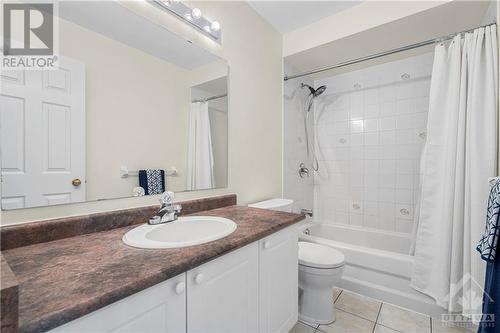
<point>186,231</point>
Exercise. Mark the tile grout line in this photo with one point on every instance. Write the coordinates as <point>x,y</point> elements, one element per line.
<point>355,315</point>
<point>392,329</point>
<point>336,298</point>
<point>378,315</point>
<point>315,327</point>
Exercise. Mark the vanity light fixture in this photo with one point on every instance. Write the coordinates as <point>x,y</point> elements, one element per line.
<point>191,16</point>
<point>196,13</point>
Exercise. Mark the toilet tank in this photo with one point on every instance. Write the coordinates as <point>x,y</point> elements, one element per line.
<point>283,205</point>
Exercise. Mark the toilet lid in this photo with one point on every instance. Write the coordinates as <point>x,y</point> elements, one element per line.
<point>319,256</point>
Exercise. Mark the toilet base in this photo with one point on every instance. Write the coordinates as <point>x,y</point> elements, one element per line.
<point>316,306</point>
<point>316,303</point>
<point>313,321</point>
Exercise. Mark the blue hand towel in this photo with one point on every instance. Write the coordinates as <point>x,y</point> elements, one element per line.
<point>152,181</point>
<point>488,247</point>
<point>489,242</point>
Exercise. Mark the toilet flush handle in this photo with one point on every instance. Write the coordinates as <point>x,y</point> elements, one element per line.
<point>267,244</point>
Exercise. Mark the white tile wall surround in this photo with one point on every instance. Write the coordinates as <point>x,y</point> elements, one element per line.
<point>370,132</point>
<point>294,151</point>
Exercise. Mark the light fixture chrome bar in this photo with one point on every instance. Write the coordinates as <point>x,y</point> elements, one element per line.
<point>382,54</point>
<point>208,98</point>
<point>191,16</point>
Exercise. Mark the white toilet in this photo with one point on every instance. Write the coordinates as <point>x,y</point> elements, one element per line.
<point>320,269</point>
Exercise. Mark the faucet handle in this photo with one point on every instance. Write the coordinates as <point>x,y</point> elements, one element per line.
<point>167,197</point>
<point>177,208</point>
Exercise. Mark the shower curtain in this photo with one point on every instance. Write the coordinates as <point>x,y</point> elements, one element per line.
<point>200,164</point>
<point>459,155</point>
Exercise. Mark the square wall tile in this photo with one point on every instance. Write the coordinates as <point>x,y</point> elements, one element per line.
<point>387,109</point>
<point>387,137</point>
<point>357,126</point>
<point>371,140</point>
<point>356,219</point>
<point>387,123</point>
<point>371,125</point>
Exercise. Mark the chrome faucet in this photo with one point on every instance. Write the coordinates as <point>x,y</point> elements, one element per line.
<point>168,210</point>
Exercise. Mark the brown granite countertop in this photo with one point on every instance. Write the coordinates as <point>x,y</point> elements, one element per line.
<point>9,297</point>
<point>67,278</point>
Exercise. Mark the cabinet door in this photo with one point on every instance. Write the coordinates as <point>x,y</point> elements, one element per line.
<point>223,294</point>
<point>278,256</point>
<point>161,308</point>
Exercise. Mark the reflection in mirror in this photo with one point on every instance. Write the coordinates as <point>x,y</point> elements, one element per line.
<point>132,110</point>
<point>207,141</point>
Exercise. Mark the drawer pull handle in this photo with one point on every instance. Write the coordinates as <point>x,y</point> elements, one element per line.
<point>180,287</point>
<point>198,278</point>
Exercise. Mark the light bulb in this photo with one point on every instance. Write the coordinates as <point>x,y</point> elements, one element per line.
<point>166,3</point>
<point>188,17</point>
<point>215,26</point>
<point>207,29</point>
<point>196,13</point>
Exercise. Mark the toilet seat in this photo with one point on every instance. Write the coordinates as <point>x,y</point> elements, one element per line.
<point>320,256</point>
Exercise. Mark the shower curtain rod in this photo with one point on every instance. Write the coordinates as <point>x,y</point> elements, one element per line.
<point>382,54</point>
<point>208,98</point>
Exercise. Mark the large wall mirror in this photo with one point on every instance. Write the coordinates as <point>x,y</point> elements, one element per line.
<point>132,110</point>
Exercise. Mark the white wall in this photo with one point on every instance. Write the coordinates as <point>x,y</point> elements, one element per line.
<point>371,126</point>
<point>365,16</point>
<point>254,52</point>
<point>294,138</point>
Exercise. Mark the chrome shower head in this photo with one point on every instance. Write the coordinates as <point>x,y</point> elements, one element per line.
<point>319,91</point>
<point>314,92</point>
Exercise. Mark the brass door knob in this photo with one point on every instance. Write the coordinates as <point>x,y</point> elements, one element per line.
<point>76,182</point>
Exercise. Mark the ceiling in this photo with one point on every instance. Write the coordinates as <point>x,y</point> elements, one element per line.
<point>286,16</point>
<point>440,21</point>
<point>135,31</point>
<point>214,87</point>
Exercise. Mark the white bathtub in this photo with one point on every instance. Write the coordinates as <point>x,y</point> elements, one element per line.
<point>377,264</point>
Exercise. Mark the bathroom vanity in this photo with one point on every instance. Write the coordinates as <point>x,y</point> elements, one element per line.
<point>245,282</point>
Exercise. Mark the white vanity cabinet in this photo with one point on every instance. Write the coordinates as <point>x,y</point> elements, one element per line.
<point>161,308</point>
<point>223,294</point>
<point>252,289</point>
<point>278,281</point>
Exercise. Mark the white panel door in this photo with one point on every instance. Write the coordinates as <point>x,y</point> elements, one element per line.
<point>159,309</point>
<point>42,133</point>
<point>223,294</point>
<point>278,276</point>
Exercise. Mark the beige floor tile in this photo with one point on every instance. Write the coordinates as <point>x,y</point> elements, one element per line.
<point>359,305</point>
<point>302,328</point>
<point>383,329</point>
<point>336,293</point>
<point>439,327</point>
<point>308,323</point>
<point>347,323</point>
<point>403,320</point>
